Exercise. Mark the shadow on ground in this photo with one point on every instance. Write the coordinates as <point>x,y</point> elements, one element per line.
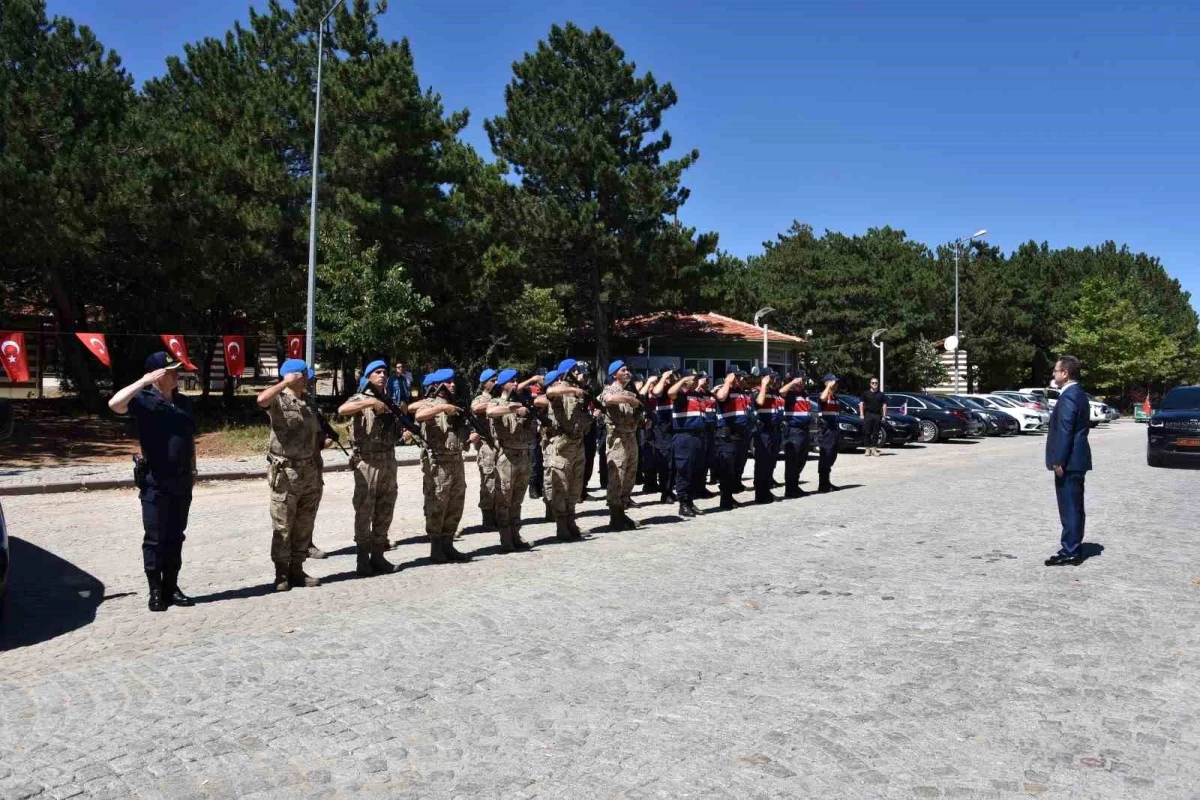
<point>47,597</point>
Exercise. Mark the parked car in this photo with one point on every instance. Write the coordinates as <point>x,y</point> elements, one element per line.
<point>976,424</point>
<point>850,427</point>
<point>1098,412</point>
<point>1174,431</point>
<point>937,423</point>
<point>1029,419</point>
<point>897,429</point>
<point>4,558</point>
<point>1004,425</point>
<point>1025,399</point>
<point>1049,396</point>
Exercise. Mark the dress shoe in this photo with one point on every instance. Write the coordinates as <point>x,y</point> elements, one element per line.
<point>1060,560</point>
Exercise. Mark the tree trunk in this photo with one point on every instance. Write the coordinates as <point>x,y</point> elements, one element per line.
<point>600,322</point>
<point>76,355</point>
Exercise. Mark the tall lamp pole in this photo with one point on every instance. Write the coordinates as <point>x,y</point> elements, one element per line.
<point>311,335</point>
<point>762,312</point>
<point>957,340</point>
<point>875,341</point>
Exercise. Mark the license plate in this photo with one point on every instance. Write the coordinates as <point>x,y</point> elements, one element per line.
<point>1187,442</point>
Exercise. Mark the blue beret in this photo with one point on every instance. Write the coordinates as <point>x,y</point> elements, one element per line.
<point>487,375</point>
<point>293,365</point>
<point>829,376</point>
<point>614,366</point>
<point>505,376</point>
<point>442,375</point>
<point>551,377</point>
<point>566,365</point>
<point>428,379</point>
<point>367,370</point>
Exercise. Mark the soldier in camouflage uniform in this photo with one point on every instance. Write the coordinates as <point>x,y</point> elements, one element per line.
<point>445,484</point>
<point>373,433</point>
<point>623,415</point>
<point>485,456</point>
<point>293,477</point>
<point>564,463</point>
<point>513,429</point>
<point>545,434</point>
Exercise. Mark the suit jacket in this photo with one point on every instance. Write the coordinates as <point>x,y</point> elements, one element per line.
<point>1067,442</point>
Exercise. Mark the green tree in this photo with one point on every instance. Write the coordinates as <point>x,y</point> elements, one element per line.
<point>579,128</point>
<point>534,327</point>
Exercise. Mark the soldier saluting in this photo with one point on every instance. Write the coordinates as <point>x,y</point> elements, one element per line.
<point>373,434</point>
<point>445,484</point>
<point>293,476</point>
<point>513,428</point>
<point>623,413</point>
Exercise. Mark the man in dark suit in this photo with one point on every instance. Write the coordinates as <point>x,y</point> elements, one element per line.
<point>1069,456</point>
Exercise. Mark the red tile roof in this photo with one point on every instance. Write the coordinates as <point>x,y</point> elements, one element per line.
<point>671,323</point>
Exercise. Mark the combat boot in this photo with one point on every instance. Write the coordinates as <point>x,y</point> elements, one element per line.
<point>623,522</point>
<point>454,555</point>
<point>686,509</point>
<point>825,487</point>
<point>315,552</point>
<point>506,540</point>
<point>437,551</point>
<point>363,562</point>
<point>157,601</point>
<point>489,521</point>
<point>728,503</point>
<point>573,527</point>
<point>298,579</point>
<point>380,565</point>
<point>549,513</point>
<point>281,576</point>
<point>764,499</point>
<point>171,592</point>
<point>518,542</point>
<point>667,497</point>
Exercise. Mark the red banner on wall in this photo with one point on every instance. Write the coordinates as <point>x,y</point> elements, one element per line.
<point>295,348</point>
<point>177,347</point>
<point>235,356</point>
<point>95,342</point>
<point>12,355</point>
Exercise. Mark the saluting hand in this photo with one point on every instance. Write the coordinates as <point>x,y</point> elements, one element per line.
<point>151,377</point>
<point>293,378</point>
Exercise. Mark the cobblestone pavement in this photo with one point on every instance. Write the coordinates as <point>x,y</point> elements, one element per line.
<point>897,639</point>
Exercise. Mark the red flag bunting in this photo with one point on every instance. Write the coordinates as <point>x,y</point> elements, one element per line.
<point>95,342</point>
<point>12,355</point>
<point>177,347</point>
<point>295,348</point>
<point>235,356</point>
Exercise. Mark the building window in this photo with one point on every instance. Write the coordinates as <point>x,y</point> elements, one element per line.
<point>698,364</point>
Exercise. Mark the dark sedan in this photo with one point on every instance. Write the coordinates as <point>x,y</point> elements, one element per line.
<point>1173,434</point>
<point>937,423</point>
<point>897,429</point>
<point>998,424</point>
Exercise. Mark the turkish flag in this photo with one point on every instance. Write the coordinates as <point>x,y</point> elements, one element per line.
<point>178,348</point>
<point>1145,403</point>
<point>235,356</point>
<point>12,354</point>
<point>95,343</point>
<point>295,345</point>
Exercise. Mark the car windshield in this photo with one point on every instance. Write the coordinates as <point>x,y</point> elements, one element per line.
<point>1002,401</point>
<point>972,404</point>
<point>952,402</point>
<point>1184,398</point>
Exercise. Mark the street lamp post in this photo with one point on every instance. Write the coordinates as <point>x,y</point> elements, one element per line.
<point>762,312</point>
<point>875,341</point>
<point>311,336</point>
<point>957,340</point>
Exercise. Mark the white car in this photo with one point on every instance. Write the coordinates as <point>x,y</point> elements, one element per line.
<point>1029,419</point>
<point>1097,412</point>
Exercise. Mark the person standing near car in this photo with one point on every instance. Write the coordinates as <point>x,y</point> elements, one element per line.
<point>167,433</point>
<point>1069,456</point>
<point>872,407</point>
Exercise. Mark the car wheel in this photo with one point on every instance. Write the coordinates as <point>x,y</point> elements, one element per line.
<point>881,438</point>
<point>1153,459</point>
<point>929,431</point>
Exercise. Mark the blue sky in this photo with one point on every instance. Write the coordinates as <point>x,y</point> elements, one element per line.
<point>1070,122</point>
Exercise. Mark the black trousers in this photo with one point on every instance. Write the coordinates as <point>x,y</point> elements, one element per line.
<point>663,463</point>
<point>688,452</point>
<point>165,507</point>
<point>593,443</point>
<point>744,453</point>
<point>729,449</point>
<point>871,424</point>
<point>766,456</point>
<point>535,469</point>
<point>828,446</point>
<point>795,456</point>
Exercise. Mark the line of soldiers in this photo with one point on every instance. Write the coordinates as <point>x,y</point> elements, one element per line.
<point>516,424</point>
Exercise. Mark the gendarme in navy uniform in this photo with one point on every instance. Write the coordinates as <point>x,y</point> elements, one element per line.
<point>166,430</point>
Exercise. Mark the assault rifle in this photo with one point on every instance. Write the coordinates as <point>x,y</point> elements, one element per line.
<point>326,428</point>
<point>401,418</point>
<point>464,411</point>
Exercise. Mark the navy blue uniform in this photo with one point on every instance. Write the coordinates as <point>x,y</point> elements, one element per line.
<point>766,444</point>
<point>663,442</point>
<point>732,439</point>
<point>828,442</point>
<point>167,433</point>
<point>797,417</point>
<point>687,443</point>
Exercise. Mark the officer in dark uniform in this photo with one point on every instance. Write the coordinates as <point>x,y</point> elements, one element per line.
<point>768,409</point>
<point>659,408</point>
<point>703,390</point>
<point>733,426</point>
<point>167,431</point>
<point>687,441</point>
<point>829,433</point>
<point>797,416</point>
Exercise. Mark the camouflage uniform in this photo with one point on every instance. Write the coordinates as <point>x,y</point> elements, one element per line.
<point>485,459</point>
<point>445,483</point>
<point>294,478</point>
<point>513,434</point>
<point>621,448</point>
<point>564,459</point>
<point>373,439</point>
